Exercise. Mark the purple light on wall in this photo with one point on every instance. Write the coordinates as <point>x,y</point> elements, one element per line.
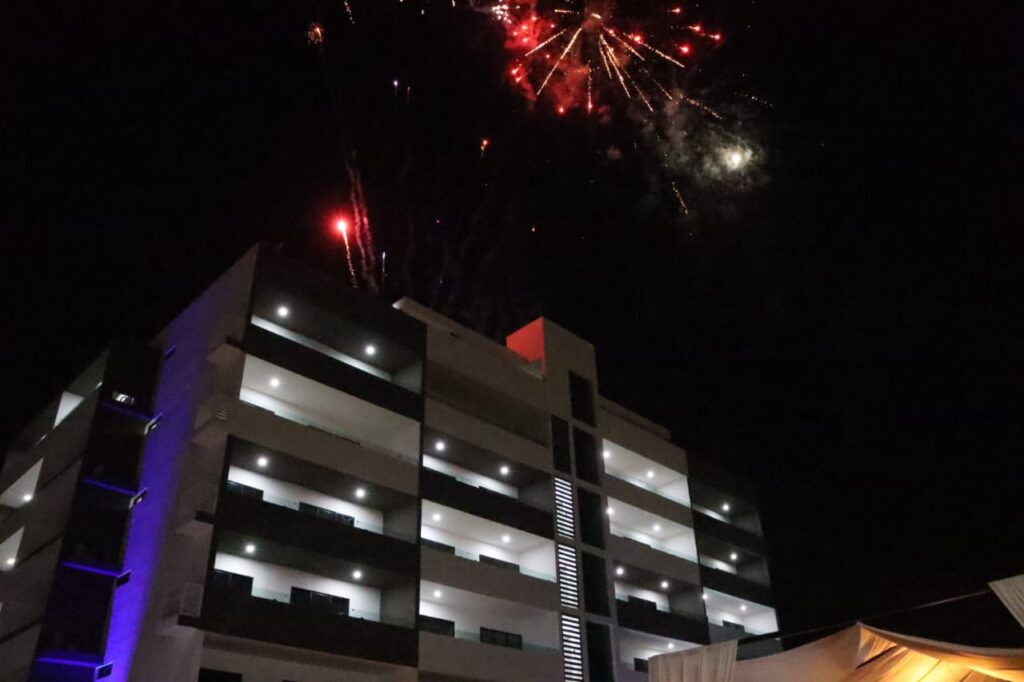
<point>150,530</point>
<point>110,486</point>
<point>95,569</point>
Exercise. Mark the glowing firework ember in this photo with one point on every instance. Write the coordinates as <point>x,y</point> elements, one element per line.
<point>582,56</point>
<point>315,34</point>
<point>341,226</point>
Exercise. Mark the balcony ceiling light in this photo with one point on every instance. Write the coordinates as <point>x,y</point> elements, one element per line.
<point>734,556</point>
<point>439,446</point>
<point>370,350</point>
<point>250,548</point>
<point>619,570</point>
<point>657,528</point>
<point>671,645</point>
<point>262,462</point>
<point>611,510</point>
<point>504,470</point>
<point>357,574</point>
<point>436,517</point>
<point>606,454</point>
<point>437,594</point>
<point>27,497</point>
<point>704,597</point>
<point>282,311</point>
<point>10,561</point>
<point>726,507</point>
<point>506,538</point>
<point>360,493</point>
<point>650,473</point>
<point>743,607</point>
<point>664,584</point>
<point>275,382</point>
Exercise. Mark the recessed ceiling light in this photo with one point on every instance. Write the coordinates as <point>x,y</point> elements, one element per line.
<point>734,556</point>
<point>282,311</point>
<point>611,510</point>
<point>619,570</point>
<point>650,473</point>
<point>262,462</point>
<point>725,506</point>
<point>743,607</point>
<point>27,497</point>
<point>370,349</point>
<point>664,584</point>
<point>606,454</point>
<point>504,470</point>
<point>657,528</point>
<point>437,594</point>
<point>360,493</point>
<point>436,517</point>
<point>10,561</point>
<point>439,446</point>
<point>671,645</point>
<point>250,548</point>
<point>357,574</point>
<point>506,539</point>
<point>274,382</point>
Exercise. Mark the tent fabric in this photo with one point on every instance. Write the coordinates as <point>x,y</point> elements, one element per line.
<point>1011,592</point>
<point>712,663</point>
<point>857,654</point>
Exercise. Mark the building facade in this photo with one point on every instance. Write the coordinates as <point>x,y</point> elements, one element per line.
<point>294,482</point>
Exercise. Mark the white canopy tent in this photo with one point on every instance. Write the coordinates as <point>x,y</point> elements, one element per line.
<point>859,653</point>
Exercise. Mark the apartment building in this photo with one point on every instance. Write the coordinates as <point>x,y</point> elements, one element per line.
<point>294,482</point>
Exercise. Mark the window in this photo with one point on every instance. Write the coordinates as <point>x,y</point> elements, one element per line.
<point>326,514</point>
<point>439,546</point>
<point>506,639</point>
<point>581,396</point>
<point>591,518</point>
<point>232,584</point>
<point>318,601</point>
<point>640,665</point>
<point>438,626</point>
<point>244,490</point>
<point>599,653</point>
<point>484,559</point>
<point>595,584</point>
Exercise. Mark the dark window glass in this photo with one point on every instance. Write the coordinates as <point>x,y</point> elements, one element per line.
<point>500,638</point>
<point>233,584</point>
<point>438,626</point>
<point>210,675</point>
<point>591,518</point>
<point>585,446</point>
<point>484,559</point>
<point>439,546</point>
<point>581,395</point>
<point>599,653</point>
<point>595,585</point>
<point>733,626</point>
<point>643,603</point>
<point>640,665</point>
<point>560,444</point>
<point>318,601</point>
<point>326,514</point>
<point>244,490</point>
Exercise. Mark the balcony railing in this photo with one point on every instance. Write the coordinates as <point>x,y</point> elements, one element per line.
<point>359,614</point>
<point>468,636</point>
<point>639,483</point>
<point>473,556</point>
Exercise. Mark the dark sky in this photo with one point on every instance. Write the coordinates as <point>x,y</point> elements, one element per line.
<point>846,332</point>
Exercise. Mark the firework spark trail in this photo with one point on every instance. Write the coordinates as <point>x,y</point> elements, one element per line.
<point>348,11</point>
<point>560,59</point>
<point>590,101</point>
<point>639,91</point>
<point>548,40</point>
<point>607,67</point>
<point>342,226</point>
<point>363,234</point>
<point>663,55</point>
<point>700,105</point>
<point>615,63</point>
<point>679,198</point>
<point>625,44</point>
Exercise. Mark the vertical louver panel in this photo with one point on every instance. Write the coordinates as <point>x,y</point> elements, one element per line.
<point>572,649</point>
<point>564,518</point>
<point>568,580</point>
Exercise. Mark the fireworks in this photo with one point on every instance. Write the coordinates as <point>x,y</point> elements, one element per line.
<point>341,225</point>
<point>315,34</point>
<point>582,56</point>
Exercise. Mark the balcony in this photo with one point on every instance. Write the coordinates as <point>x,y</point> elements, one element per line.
<point>454,568</point>
<point>735,585</point>
<point>278,622</point>
<point>255,424</point>
<point>650,558</point>
<point>486,503</point>
<point>635,646</point>
<point>299,533</point>
<point>646,474</point>
<point>644,616</point>
<point>308,358</point>
<point>732,617</point>
<point>474,538</point>
<point>486,435</point>
<point>465,658</point>
<point>728,533</point>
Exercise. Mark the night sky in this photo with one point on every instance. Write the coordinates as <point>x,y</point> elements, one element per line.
<point>845,329</point>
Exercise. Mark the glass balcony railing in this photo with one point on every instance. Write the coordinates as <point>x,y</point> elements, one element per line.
<point>640,483</point>
<point>682,554</point>
<point>473,556</point>
<point>526,646</point>
<point>359,614</point>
